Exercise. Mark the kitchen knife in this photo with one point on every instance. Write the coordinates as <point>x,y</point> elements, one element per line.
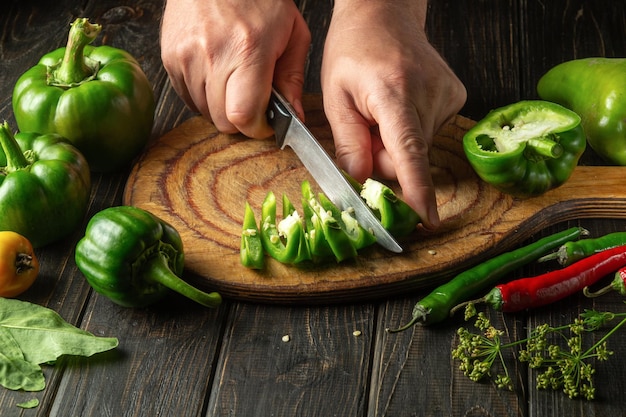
<point>290,131</point>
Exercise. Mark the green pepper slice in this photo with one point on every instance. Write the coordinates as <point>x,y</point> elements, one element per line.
<point>526,148</point>
<point>285,241</point>
<point>394,213</point>
<point>251,252</point>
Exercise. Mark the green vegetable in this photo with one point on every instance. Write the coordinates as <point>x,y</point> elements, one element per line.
<point>44,186</point>
<point>568,369</point>
<point>252,255</point>
<point>97,97</point>
<point>595,88</point>
<point>571,252</point>
<point>437,305</point>
<point>32,403</point>
<point>31,335</point>
<point>526,148</point>
<point>319,247</point>
<point>134,258</point>
<point>395,215</point>
<point>285,241</point>
<point>324,231</point>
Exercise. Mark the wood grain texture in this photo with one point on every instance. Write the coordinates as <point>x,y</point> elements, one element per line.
<point>198,180</point>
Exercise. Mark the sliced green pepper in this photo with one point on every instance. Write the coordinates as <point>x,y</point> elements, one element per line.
<point>97,97</point>
<point>251,252</point>
<point>285,241</point>
<point>357,235</point>
<point>594,88</point>
<point>526,148</point>
<point>134,258</point>
<point>44,186</point>
<point>395,215</point>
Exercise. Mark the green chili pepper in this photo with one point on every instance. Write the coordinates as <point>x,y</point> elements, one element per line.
<point>395,215</point>
<point>134,258</point>
<point>526,148</point>
<point>595,89</point>
<point>44,186</point>
<point>437,305</point>
<point>252,255</point>
<point>285,241</point>
<point>97,97</point>
<point>571,252</point>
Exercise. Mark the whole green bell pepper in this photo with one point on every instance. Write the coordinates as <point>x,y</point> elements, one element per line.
<point>595,88</point>
<point>134,258</point>
<point>44,186</point>
<point>97,97</point>
<point>526,148</point>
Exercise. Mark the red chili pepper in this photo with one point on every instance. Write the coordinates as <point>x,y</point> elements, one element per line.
<point>618,284</point>
<point>544,289</point>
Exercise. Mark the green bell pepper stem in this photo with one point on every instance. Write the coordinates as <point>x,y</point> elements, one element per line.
<point>251,251</point>
<point>74,68</point>
<point>545,147</point>
<point>12,151</point>
<point>157,270</point>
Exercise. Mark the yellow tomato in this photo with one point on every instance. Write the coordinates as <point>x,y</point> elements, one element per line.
<point>18,264</point>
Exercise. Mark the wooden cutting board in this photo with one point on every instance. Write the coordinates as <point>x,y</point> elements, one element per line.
<point>198,180</point>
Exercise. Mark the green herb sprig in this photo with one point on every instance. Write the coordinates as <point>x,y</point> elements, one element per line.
<point>557,354</point>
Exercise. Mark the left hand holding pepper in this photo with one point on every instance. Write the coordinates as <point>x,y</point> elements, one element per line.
<point>386,93</point>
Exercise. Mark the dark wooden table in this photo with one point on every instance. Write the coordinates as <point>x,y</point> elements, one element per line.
<point>177,359</point>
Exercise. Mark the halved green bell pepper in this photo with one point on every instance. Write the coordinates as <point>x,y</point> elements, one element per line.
<point>97,97</point>
<point>526,148</point>
<point>595,88</point>
<point>44,186</point>
<point>135,258</point>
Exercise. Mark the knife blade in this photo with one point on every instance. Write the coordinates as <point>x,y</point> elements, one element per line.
<point>290,131</point>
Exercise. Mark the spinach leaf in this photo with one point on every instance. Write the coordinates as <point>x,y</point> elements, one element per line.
<point>31,335</point>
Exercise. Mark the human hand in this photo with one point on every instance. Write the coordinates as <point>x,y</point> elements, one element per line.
<point>386,93</point>
<point>223,57</point>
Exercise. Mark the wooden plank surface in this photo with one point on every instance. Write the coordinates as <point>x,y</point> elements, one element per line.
<point>179,360</point>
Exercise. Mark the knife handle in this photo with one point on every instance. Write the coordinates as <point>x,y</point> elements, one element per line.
<point>278,116</point>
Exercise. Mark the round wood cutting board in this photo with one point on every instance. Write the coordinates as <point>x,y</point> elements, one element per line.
<point>198,180</point>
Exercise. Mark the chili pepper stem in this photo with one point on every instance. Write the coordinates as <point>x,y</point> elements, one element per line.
<point>75,68</point>
<point>419,315</point>
<point>14,155</point>
<point>157,270</point>
<point>593,294</point>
